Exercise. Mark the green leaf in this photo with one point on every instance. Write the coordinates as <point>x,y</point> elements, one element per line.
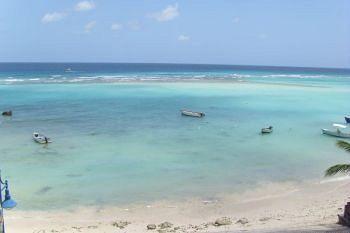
<point>344,145</point>
<point>339,168</point>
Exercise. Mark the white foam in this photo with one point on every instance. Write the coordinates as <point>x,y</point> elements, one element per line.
<point>13,80</point>
<point>336,179</point>
<point>301,76</point>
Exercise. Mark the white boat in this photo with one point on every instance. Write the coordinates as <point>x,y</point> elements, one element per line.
<point>192,114</point>
<point>267,130</point>
<point>40,138</point>
<point>337,132</point>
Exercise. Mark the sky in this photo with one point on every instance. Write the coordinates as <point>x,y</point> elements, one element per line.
<point>307,33</point>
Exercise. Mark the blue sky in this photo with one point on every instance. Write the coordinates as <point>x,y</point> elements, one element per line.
<point>312,33</point>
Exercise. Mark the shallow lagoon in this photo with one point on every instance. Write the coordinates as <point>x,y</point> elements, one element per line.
<point>119,143</point>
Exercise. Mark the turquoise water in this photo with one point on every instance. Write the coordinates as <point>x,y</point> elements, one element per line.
<point>120,142</point>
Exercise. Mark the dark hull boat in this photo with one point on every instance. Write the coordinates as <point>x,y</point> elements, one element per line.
<point>7,113</point>
<point>347,119</point>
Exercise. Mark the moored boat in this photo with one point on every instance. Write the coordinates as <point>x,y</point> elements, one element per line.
<point>267,130</point>
<point>192,114</point>
<point>7,113</point>
<point>40,138</point>
<point>337,132</point>
<point>347,119</point>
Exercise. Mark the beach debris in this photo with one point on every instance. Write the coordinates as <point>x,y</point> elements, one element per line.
<point>264,219</point>
<point>77,228</point>
<point>92,227</point>
<point>151,226</point>
<point>7,113</point>
<point>243,221</point>
<point>165,225</point>
<point>200,227</point>
<point>222,221</point>
<point>120,224</point>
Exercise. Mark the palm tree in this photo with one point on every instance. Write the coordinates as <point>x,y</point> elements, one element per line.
<point>340,168</point>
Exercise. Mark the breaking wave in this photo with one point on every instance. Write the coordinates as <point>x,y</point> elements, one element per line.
<point>160,77</point>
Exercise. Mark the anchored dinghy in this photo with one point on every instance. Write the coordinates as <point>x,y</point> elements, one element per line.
<point>267,130</point>
<point>192,113</point>
<point>7,113</point>
<point>40,138</point>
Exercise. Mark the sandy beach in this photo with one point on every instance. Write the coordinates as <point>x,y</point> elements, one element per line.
<point>272,207</point>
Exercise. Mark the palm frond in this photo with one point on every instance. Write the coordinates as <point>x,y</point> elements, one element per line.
<point>344,145</point>
<point>339,168</point>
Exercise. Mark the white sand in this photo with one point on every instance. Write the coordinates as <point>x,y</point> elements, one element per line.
<point>313,205</point>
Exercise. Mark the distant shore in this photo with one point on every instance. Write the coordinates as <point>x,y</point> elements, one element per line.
<point>277,207</point>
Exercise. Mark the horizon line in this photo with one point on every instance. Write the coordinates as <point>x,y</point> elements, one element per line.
<point>176,63</point>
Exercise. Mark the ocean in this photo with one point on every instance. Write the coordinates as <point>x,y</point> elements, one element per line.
<point>119,138</point>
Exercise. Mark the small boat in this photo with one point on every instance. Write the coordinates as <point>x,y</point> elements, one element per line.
<point>337,132</point>
<point>68,70</point>
<point>267,130</point>
<point>40,138</point>
<point>192,114</point>
<point>347,119</point>
<point>7,113</point>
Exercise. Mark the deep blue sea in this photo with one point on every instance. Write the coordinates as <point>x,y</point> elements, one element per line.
<point>44,73</point>
<point>118,135</point>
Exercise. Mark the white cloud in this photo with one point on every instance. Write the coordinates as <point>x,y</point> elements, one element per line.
<point>183,38</point>
<point>134,25</point>
<point>236,19</point>
<point>85,6</point>
<point>169,13</point>
<point>116,27</point>
<point>52,17</point>
<point>89,26</point>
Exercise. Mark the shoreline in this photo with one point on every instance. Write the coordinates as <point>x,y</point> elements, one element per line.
<point>283,206</point>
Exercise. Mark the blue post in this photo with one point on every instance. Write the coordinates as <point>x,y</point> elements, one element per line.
<point>2,230</point>
<point>8,203</point>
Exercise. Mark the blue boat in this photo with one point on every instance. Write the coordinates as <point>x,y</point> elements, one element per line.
<point>347,119</point>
